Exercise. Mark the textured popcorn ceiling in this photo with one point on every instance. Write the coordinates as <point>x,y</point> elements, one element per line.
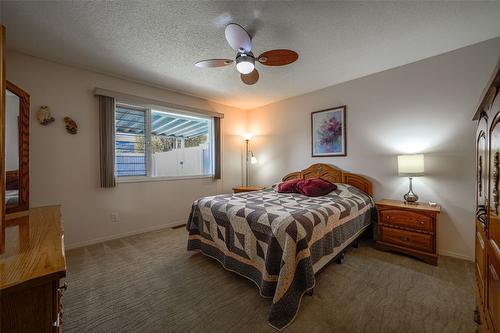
<point>159,42</point>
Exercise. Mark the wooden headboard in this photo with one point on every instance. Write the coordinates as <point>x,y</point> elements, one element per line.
<point>333,175</point>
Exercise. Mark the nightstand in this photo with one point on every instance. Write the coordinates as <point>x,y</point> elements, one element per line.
<point>240,189</point>
<point>408,228</point>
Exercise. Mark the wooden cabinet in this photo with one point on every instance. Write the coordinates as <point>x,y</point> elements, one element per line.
<point>487,220</point>
<point>31,269</point>
<point>408,228</point>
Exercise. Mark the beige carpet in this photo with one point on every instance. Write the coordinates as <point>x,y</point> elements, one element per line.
<point>150,283</point>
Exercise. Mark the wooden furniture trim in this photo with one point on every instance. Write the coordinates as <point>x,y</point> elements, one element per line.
<point>24,124</point>
<point>333,175</point>
<point>488,95</point>
<point>2,138</point>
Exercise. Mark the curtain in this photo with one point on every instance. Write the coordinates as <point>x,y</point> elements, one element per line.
<point>107,140</point>
<point>217,148</point>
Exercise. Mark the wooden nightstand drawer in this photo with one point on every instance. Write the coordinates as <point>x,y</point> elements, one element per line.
<point>415,240</point>
<point>407,219</point>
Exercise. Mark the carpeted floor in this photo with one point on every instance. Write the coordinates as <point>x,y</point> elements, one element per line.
<point>150,283</point>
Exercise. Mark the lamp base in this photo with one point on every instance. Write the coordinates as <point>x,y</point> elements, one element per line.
<point>410,197</point>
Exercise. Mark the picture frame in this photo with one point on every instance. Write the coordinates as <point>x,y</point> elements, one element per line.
<point>328,132</point>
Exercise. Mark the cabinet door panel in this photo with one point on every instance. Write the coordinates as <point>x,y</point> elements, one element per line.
<point>493,285</point>
<point>493,225</point>
<point>480,259</point>
<point>482,167</point>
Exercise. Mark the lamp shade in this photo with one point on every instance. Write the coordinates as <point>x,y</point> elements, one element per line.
<point>411,165</point>
<point>247,136</point>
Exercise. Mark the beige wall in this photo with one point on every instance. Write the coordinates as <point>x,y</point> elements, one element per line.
<point>64,168</point>
<point>423,107</point>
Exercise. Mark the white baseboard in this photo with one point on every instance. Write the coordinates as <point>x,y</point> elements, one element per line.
<point>122,235</point>
<point>455,255</point>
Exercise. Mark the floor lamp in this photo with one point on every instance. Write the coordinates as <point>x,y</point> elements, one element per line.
<point>249,154</point>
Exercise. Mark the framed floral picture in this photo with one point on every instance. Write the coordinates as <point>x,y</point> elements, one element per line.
<point>328,135</point>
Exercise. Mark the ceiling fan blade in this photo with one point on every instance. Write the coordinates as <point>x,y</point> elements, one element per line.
<point>279,57</point>
<point>213,63</point>
<point>251,78</point>
<point>238,38</point>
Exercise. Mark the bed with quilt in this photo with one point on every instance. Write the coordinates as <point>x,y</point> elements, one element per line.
<point>281,240</point>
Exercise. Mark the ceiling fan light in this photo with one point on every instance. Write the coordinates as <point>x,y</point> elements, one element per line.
<point>245,64</point>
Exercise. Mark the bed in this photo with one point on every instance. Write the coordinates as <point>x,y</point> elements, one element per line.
<point>281,240</point>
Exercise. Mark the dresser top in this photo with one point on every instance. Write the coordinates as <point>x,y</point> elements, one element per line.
<point>34,248</point>
<point>401,204</point>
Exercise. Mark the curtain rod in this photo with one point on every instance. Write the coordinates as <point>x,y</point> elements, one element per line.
<point>154,102</point>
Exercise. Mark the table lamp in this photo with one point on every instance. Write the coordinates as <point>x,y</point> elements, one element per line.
<point>411,166</point>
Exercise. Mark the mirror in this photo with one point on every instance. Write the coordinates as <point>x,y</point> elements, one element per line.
<point>16,148</point>
<point>2,136</point>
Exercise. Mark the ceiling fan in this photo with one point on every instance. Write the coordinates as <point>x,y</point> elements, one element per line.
<point>240,41</point>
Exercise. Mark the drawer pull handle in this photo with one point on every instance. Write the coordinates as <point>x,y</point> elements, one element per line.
<point>404,238</point>
<point>421,222</point>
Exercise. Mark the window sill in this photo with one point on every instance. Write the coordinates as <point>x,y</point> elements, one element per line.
<point>158,179</point>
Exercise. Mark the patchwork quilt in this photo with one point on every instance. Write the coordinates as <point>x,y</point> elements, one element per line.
<point>274,239</point>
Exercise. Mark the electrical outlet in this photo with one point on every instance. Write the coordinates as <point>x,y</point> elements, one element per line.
<point>115,217</point>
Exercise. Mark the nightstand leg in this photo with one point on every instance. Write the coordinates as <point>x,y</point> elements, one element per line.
<point>355,244</point>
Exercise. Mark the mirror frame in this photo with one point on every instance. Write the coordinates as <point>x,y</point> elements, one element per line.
<point>24,140</point>
<point>2,135</point>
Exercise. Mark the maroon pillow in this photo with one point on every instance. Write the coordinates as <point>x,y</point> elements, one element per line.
<point>315,187</point>
<point>289,186</point>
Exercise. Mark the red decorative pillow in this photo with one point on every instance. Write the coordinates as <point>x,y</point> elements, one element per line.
<point>289,186</point>
<point>315,187</point>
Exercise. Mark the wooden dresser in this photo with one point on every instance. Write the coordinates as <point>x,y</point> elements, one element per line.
<point>30,271</point>
<point>408,228</point>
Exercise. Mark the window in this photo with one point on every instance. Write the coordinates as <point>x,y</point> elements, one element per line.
<point>158,143</point>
